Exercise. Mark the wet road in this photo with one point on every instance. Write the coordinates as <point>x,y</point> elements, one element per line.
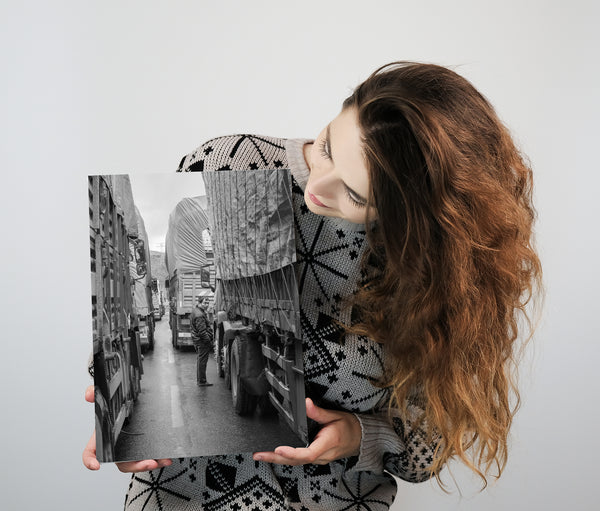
<point>173,417</point>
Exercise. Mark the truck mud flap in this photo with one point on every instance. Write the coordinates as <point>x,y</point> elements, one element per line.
<point>252,365</point>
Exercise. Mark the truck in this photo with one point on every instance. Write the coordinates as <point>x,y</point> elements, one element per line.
<point>118,258</point>
<point>188,265</point>
<point>142,283</point>
<point>257,317</point>
<point>158,306</point>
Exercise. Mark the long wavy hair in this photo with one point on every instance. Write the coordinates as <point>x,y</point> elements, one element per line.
<point>451,260</point>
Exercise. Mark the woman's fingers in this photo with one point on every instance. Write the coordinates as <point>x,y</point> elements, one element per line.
<point>285,455</point>
<point>321,415</point>
<point>89,454</point>
<point>338,438</point>
<point>143,465</point>
<point>92,463</point>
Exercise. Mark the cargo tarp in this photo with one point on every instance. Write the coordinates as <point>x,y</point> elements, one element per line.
<point>251,221</point>
<point>122,195</point>
<point>184,246</point>
<point>120,186</point>
<point>142,298</point>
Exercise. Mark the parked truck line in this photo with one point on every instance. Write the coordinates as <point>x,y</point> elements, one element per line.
<point>118,258</point>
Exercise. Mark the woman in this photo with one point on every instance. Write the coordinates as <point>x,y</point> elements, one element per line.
<point>414,223</point>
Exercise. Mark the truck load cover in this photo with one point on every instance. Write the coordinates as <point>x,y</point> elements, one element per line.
<point>142,300</point>
<point>252,232</point>
<point>120,187</point>
<point>184,250</point>
<point>251,220</point>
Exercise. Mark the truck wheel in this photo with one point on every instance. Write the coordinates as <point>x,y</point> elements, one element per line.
<point>243,402</point>
<point>104,437</point>
<point>151,335</point>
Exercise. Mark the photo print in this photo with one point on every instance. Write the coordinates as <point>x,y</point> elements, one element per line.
<point>195,313</point>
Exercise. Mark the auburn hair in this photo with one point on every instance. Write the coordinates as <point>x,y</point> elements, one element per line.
<point>451,261</point>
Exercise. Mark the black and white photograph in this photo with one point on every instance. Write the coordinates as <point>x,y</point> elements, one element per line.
<point>195,315</point>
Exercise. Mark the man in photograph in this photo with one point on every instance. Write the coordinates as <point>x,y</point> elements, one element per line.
<point>202,338</point>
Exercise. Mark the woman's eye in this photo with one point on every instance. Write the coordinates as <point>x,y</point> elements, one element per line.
<point>359,202</point>
<point>323,147</point>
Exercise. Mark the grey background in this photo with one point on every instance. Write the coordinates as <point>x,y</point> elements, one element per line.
<point>98,87</point>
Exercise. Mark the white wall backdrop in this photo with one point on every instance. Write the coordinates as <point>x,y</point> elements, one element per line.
<point>131,86</point>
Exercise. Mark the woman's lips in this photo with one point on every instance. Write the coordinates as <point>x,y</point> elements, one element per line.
<point>316,201</point>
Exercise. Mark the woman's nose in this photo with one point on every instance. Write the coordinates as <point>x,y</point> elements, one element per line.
<point>323,184</point>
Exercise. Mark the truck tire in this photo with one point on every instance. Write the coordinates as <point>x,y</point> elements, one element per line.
<point>175,341</point>
<point>243,402</point>
<point>151,333</point>
<point>104,434</point>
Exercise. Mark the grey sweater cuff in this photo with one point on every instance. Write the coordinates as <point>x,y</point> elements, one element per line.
<point>378,436</point>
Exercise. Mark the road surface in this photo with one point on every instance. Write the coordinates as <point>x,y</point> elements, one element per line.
<point>174,418</point>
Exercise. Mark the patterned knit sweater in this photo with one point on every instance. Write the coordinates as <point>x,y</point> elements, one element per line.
<point>338,375</point>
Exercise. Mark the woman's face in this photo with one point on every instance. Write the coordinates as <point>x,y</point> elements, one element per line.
<point>338,184</point>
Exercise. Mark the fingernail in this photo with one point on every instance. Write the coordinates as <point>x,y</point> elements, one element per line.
<point>257,457</point>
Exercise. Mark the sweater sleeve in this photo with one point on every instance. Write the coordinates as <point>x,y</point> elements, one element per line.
<point>398,445</point>
<point>236,152</point>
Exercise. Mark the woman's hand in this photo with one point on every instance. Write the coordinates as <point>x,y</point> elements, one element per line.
<point>89,453</point>
<point>339,437</point>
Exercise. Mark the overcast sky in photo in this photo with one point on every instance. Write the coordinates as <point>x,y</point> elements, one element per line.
<point>156,195</point>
